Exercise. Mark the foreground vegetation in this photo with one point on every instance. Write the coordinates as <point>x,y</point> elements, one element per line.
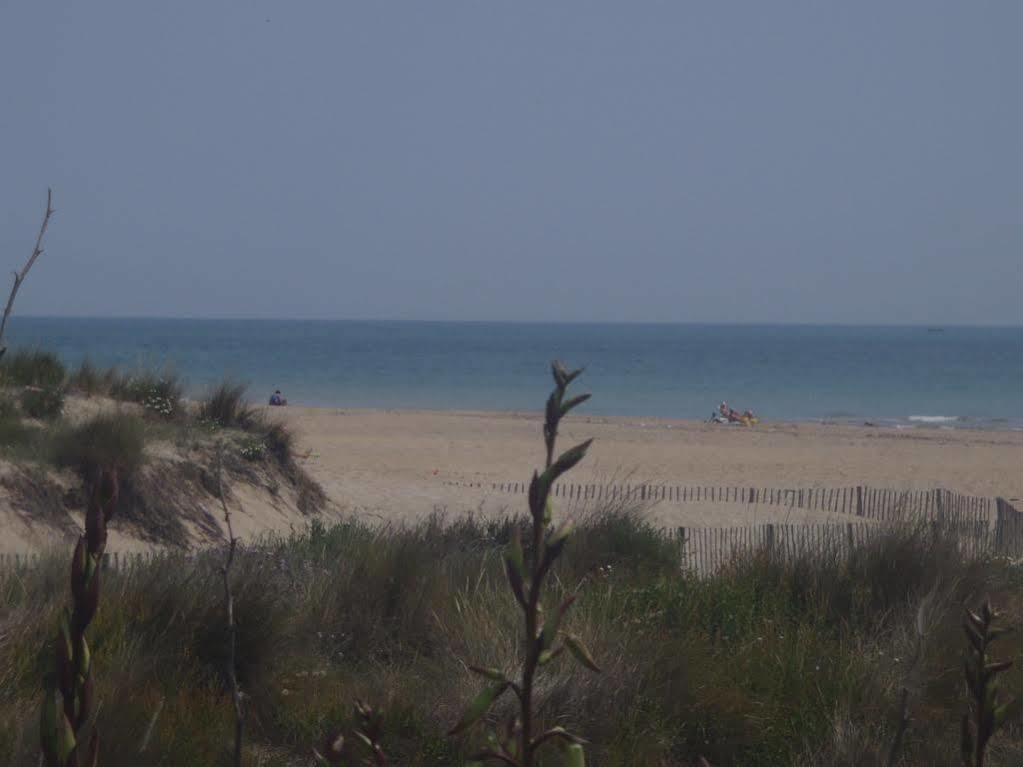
<point>767,663</point>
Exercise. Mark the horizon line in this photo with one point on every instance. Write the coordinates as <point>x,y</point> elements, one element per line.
<point>396,320</point>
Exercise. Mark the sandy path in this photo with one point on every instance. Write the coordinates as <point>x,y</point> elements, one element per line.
<point>401,465</point>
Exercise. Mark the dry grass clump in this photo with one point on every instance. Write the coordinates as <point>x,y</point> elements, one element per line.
<point>42,403</point>
<point>32,367</point>
<point>107,439</point>
<point>89,380</point>
<point>226,406</point>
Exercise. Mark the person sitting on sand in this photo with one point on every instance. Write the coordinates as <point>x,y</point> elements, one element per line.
<point>277,399</point>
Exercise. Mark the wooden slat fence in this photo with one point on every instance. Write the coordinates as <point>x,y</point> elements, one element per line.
<point>123,561</point>
<point>867,502</point>
<point>704,550</point>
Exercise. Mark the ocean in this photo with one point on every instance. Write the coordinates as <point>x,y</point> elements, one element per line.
<point>903,376</point>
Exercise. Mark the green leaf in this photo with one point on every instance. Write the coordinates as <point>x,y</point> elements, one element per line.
<point>515,580</point>
<point>562,377</point>
<point>514,552</point>
<point>559,536</point>
<point>1007,711</point>
<point>992,669</point>
<point>574,402</point>
<point>86,658</point>
<point>975,638</point>
<point>976,620</point>
<point>556,543</point>
<point>580,653</point>
<point>557,733</point>
<point>493,674</point>
<point>539,490</point>
<point>568,459</point>
<point>479,706</point>
<point>551,626</point>
<point>92,758</point>
<point>55,732</point>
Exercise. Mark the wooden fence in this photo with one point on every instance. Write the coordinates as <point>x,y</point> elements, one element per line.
<point>118,560</point>
<point>867,502</point>
<point>704,550</point>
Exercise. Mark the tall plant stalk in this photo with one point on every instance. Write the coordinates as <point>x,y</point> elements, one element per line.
<point>232,629</point>
<point>987,713</point>
<point>68,698</point>
<point>543,640</point>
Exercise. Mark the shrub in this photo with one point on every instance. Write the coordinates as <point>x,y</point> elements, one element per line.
<point>252,449</point>
<point>159,393</point>
<point>226,406</point>
<point>106,440</point>
<point>90,380</point>
<point>42,403</point>
<point>280,442</point>
<point>32,367</point>
<point>12,431</point>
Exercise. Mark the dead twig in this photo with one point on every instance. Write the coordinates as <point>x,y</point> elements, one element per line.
<point>225,571</point>
<point>19,277</point>
<point>149,728</point>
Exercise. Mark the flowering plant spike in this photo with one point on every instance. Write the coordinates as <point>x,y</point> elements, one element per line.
<point>68,698</point>
<point>517,743</point>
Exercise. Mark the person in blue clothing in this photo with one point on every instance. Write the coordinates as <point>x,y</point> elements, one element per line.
<point>277,399</point>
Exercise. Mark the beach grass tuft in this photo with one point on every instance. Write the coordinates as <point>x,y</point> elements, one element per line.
<point>32,367</point>
<point>105,440</point>
<point>226,406</point>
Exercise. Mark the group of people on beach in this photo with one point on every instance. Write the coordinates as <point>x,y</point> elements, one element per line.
<point>726,414</point>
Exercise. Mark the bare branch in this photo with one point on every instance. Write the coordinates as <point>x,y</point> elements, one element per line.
<point>19,277</point>
<point>232,676</point>
<point>152,723</point>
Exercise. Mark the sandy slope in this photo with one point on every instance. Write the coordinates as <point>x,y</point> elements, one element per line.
<point>400,465</point>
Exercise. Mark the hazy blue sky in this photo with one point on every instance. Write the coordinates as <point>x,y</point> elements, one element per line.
<point>665,161</point>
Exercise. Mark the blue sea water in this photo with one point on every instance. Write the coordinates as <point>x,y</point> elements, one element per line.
<point>900,375</point>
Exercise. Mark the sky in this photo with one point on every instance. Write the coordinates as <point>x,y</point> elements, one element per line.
<point>651,161</point>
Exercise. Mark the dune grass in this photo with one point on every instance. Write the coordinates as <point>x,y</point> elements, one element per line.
<point>105,440</point>
<point>767,663</point>
<point>227,407</point>
<point>32,367</point>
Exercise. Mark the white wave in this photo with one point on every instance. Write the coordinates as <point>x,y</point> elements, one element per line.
<point>933,418</point>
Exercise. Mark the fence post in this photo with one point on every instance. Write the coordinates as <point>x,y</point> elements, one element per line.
<point>859,500</point>
<point>769,539</point>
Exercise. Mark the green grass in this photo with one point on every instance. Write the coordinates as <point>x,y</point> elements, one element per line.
<point>14,435</point>
<point>109,439</point>
<point>42,403</point>
<point>32,367</point>
<point>226,406</point>
<point>90,380</point>
<point>765,664</point>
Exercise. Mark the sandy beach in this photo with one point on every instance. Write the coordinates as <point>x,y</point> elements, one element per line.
<point>397,466</point>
